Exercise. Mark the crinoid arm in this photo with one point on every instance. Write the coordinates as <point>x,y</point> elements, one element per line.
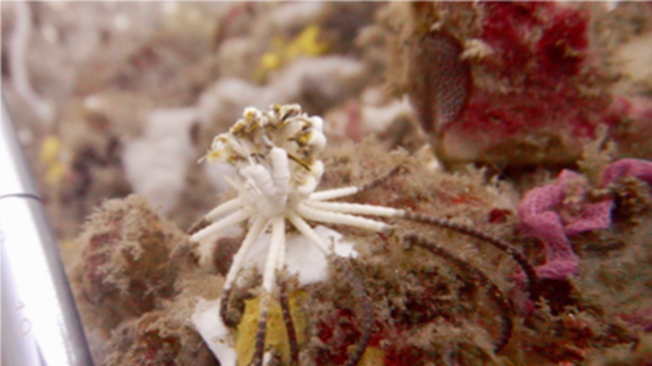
<point>223,208</point>
<point>339,218</point>
<point>277,245</point>
<point>330,194</point>
<point>502,245</point>
<point>253,234</point>
<point>275,154</point>
<point>355,208</point>
<point>334,193</point>
<point>289,323</point>
<point>233,219</point>
<point>305,229</point>
<point>280,171</point>
<point>494,293</point>
<point>320,210</point>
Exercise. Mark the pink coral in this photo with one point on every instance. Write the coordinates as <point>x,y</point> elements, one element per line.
<point>549,214</point>
<point>561,260</point>
<point>641,169</point>
<point>553,212</point>
<point>594,216</point>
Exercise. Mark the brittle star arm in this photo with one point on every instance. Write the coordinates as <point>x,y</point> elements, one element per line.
<point>351,190</point>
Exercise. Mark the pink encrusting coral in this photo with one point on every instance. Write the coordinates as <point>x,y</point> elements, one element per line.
<point>547,214</point>
<point>538,92</point>
<point>638,168</point>
<point>553,212</point>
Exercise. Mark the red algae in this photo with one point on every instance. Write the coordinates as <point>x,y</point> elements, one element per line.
<point>538,94</point>
<point>561,49</point>
<point>539,54</point>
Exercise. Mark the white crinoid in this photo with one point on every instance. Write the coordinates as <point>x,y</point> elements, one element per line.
<point>275,156</point>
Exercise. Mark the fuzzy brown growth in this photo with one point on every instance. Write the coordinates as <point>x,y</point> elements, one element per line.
<point>382,179</point>
<point>157,338</point>
<point>440,81</point>
<point>632,198</point>
<point>125,268</point>
<point>528,269</point>
<point>493,291</point>
<point>366,315</point>
<point>225,249</point>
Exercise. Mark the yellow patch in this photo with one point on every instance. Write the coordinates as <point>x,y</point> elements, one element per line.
<point>214,155</point>
<point>54,173</point>
<point>49,156</point>
<point>270,61</point>
<point>372,357</point>
<point>276,332</point>
<point>305,43</point>
<point>50,148</point>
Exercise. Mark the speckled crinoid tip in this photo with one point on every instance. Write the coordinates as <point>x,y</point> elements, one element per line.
<point>440,81</point>
<point>265,138</point>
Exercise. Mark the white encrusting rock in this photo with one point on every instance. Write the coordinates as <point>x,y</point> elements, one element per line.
<point>210,326</point>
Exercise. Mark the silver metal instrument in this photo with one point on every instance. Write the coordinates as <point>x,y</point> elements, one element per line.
<point>40,322</point>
